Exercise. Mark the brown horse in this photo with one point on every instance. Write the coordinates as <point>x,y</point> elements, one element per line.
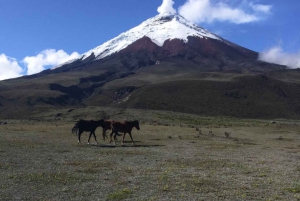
<point>107,125</point>
<point>89,126</point>
<point>124,128</point>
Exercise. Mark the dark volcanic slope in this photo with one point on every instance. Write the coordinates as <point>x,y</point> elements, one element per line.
<point>254,96</point>
<point>208,54</point>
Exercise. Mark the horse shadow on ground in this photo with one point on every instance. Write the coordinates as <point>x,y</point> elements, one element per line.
<point>126,144</point>
<point>107,146</point>
<point>143,145</point>
<point>140,144</point>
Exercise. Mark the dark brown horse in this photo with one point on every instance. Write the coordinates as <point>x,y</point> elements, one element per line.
<point>89,126</point>
<point>124,128</point>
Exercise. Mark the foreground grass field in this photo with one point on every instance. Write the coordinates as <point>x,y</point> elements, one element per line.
<point>40,160</point>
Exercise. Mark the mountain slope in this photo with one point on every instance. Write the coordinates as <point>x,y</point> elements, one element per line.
<point>252,96</point>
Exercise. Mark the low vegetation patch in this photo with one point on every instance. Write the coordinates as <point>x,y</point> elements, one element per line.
<point>120,194</point>
<point>42,179</point>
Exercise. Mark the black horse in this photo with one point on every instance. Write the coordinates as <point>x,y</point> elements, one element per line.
<point>89,126</point>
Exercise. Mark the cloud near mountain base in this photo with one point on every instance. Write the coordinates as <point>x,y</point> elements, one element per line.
<point>278,56</point>
<point>49,57</point>
<point>9,68</point>
<point>12,68</point>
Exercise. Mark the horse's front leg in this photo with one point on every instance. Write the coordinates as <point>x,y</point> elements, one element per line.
<point>110,135</point>
<point>123,137</point>
<point>115,138</point>
<point>90,137</point>
<point>131,139</point>
<point>95,137</point>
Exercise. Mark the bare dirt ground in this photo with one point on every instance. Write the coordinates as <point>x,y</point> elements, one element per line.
<point>40,160</point>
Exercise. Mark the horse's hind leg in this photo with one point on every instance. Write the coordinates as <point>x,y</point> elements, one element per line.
<point>90,137</point>
<point>79,134</point>
<point>104,133</point>
<point>115,136</point>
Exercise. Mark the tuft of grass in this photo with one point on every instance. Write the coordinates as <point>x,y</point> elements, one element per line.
<point>91,167</point>
<point>205,185</point>
<point>221,146</point>
<point>89,171</point>
<point>63,151</point>
<point>73,163</point>
<point>5,166</point>
<point>120,194</point>
<point>294,190</point>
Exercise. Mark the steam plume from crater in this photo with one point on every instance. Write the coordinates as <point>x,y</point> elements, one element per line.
<point>166,7</point>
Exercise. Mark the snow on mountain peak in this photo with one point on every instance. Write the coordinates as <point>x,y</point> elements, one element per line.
<point>162,27</point>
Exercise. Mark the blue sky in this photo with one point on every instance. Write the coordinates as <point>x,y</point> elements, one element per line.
<point>38,34</point>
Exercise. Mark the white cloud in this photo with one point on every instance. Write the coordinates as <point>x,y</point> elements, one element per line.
<point>200,11</point>
<point>9,67</point>
<point>261,8</point>
<point>49,57</point>
<point>278,56</point>
<point>166,7</point>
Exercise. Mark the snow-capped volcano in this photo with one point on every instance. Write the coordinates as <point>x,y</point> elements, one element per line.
<point>169,36</point>
<point>159,29</point>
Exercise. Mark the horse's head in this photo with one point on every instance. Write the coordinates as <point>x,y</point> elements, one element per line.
<point>137,124</point>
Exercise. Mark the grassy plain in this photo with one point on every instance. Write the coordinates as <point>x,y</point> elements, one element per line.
<point>175,159</point>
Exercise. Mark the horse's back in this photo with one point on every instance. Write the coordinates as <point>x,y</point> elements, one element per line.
<point>121,126</point>
<point>107,125</point>
<point>88,125</point>
<point>117,125</point>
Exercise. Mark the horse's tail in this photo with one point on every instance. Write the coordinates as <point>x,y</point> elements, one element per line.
<point>75,129</point>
